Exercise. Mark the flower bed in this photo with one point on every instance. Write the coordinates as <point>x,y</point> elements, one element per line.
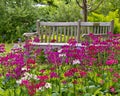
<point>90,70</point>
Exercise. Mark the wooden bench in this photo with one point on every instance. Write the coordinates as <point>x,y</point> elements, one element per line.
<point>63,31</point>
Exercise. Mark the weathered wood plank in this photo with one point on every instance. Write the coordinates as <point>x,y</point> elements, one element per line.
<point>60,34</point>
<point>97,23</point>
<point>54,45</point>
<point>58,23</point>
<point>64,34</point>
<point>78,30</point>
<point>30,34</point>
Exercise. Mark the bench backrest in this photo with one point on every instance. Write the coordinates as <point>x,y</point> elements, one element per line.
<point>97,28</point>
<point>59,31</point>
<point>63,31</point>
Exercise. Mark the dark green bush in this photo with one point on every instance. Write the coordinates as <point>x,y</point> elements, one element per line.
<point>66,12</point>
<point>16,18</point>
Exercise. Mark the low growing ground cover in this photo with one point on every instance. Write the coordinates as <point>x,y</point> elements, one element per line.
<point>90,70</point>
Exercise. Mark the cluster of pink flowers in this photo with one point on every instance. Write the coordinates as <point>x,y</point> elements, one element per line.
<point>2,48</point>
<point>53,75</point>
<point>87,53</point>
<point>112,61</point>
<point>36,39</point>
<point>32,87</point>
<point>71,72</point>
<point>13,63</point>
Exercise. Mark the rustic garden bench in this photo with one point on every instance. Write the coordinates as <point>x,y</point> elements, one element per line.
<point>61,32</point>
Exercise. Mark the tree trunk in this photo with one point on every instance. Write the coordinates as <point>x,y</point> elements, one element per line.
<point>85,11</point>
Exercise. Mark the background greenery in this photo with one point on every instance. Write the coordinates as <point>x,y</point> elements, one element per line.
<point>19,16</point>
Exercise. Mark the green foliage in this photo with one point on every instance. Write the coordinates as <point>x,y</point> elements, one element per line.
<point>9,87</point>
<point>95,17</point>
<point>66,12</point>
<point>41,57</point>
<point>17,17</point>
<point>45,13</point>
<point>63,12</point>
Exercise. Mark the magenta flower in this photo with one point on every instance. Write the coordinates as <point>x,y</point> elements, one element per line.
<point>116,75</point>
<point>43,78</point>
<point>52,68</point>
<point>13,59</point>
<point>68,73</point>
<point>36,39</point>
<point>53,57</point>
<point>111,69</point>
<point>31,87</point>
<point>85,43</point>
<point>74,70</point>
<point>110,34</point>
<point>2,48</point>
<point>53,75</point>
<point>42,70</point>
<point>30,61</point>
<point>25,82</point>
<point>111,62</point>
<point>67,61</point>
<point>38,51</point>
<point>112,89</point>
<point>72,42</point>
<point>64,82</point>
<point>83,73</point>
<point>40,84</point>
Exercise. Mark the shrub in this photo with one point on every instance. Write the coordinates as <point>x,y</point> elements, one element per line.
<point>16,18</point>
<point>101,18</point>
<point>69,12</point>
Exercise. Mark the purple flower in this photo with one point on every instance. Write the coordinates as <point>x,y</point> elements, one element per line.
<point>53,75</point>
<point>72,42</point>
<point>111,62</point>
<point>53,57</point>
<point>36,39</point>
<point>2,48</point>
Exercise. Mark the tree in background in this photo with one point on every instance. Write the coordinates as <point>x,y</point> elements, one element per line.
<point>87,6</point>
<point>115,4</point>
<point>66,12</point>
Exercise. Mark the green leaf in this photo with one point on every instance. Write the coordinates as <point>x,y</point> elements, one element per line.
<point>118,90</point>
<point>97,91</point>
<point>108,94</point>
<point>1,92</point>
<point>55,94</point>
<point>70,94</point>
<point>91,88</point>
<point>87,94</point>
<point>64,93</point>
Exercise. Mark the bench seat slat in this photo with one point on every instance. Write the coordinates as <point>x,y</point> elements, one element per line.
<point>54,45</point>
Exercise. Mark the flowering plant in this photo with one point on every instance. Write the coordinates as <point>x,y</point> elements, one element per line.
<point>90,69</point>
